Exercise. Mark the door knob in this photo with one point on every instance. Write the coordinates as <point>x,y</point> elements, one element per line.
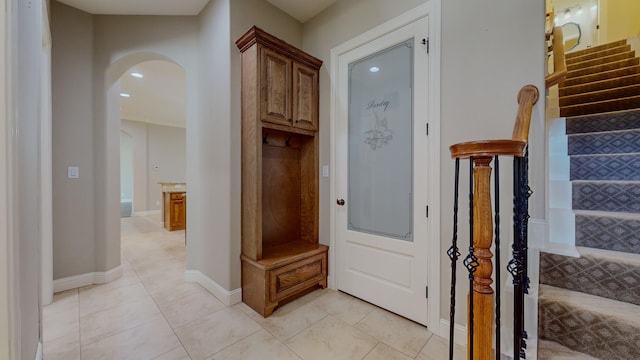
<point>340,202</point>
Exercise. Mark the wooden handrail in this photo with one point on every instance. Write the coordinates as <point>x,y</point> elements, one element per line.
<point>483,152</point>
<point>527,97</point>
<point>559,62</point>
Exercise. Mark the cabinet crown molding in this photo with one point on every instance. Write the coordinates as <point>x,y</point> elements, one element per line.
<point>255,35</point>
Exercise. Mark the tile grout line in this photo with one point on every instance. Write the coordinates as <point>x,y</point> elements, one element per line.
<point>161,313</point>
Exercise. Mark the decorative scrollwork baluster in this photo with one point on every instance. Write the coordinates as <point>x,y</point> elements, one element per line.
<point>498,285</point>
<point>454,255</point>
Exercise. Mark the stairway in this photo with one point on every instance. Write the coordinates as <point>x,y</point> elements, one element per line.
<point>591,304</point>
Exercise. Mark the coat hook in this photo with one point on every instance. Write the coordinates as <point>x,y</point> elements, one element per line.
<point>264,139</point>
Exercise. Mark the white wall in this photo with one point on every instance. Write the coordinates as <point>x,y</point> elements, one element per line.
<point>138,132</point>
<point>164,146</point>
<point>26,185</point>
<point>167,149</point>
<point>6,239</point>
<point>73,199</point>
<point>490,49</point>
<point>126,166</point>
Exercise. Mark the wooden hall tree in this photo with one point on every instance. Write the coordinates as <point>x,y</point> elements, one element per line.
<point>281,256</point>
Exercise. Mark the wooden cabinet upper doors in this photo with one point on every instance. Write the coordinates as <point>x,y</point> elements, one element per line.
<point>276,87</point>
<point>305,97</point>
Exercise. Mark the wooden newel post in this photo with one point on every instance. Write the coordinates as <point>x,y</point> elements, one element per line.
<point>482,241</point>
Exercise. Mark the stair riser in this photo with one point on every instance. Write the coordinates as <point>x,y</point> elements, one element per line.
<point>588,332</point>
<point>624,120</point>
<point>595,49</point>
<point>612,94</point>
<point>593,276</point>
<point>601,107</point>
<point>599,54</point>
<point>600,85</point>
<point>601,61</point>
<point>602,167</point>
<point>609,75</point>
<point>608,233</point>
<point>606,196</point>
<point>618,142</point>
<point>601,68</point>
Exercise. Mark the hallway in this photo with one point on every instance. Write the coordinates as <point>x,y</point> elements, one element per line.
<point>151,313</point>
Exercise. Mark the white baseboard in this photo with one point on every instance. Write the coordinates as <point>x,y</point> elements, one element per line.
<point>77,281</point>
<point>39,352</point>
<point>459,332</point>
<point>146,213</point>
<point>227,297</point>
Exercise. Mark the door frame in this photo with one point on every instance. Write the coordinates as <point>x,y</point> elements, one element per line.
<point>432,10</point>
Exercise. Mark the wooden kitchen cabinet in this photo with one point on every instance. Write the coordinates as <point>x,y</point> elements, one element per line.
<point>175,210</point>
<point>281,255</point>
<point>288,81</point>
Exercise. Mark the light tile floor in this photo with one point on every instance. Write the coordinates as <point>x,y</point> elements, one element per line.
<point>151,313</point>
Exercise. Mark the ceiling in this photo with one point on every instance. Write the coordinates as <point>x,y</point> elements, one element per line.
<point>159,97</point>
<point>301,10</point>
<point>138,7</point>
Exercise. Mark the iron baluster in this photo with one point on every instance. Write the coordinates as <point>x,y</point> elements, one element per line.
<point>497,251</point>
<point>471,262</point>
<point>454,254</point>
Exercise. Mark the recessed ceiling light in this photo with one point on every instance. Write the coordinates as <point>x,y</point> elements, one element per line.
<point>137,74</point>
<point>374,69</point>
<point>125,95</point>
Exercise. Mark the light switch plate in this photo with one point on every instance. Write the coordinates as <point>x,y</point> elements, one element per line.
<point>73,172</point>
<point>325,170</point>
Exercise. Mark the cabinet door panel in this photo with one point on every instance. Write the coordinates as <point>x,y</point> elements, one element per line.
<point>276,89</point>
<point>177,214</point>
<point>305,97</point>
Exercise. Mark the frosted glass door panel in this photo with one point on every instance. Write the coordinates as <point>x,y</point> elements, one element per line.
<point>381,142</point>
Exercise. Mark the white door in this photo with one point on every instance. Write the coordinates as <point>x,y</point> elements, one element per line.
<point>381,172</point>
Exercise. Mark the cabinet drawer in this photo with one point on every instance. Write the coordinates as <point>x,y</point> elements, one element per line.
<point>176,196</point>
<point>298,276</point>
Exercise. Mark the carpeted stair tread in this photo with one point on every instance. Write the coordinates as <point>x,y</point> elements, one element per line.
<point>596,272</point>
<point>610,51</point>
<point>612,196</point>
<point>595,49</point>
<point>620,64</point>
<point>631,102</point>
<point>551,350</point>
<point>600,85</point>
<point>605,75</point>
<point>601,60</point>
<point>612,121</point>
<point>603,328</point>
<point>609,142</point>
<point>618,232</point>
<point>605,167</point>
<point>620,91</point>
